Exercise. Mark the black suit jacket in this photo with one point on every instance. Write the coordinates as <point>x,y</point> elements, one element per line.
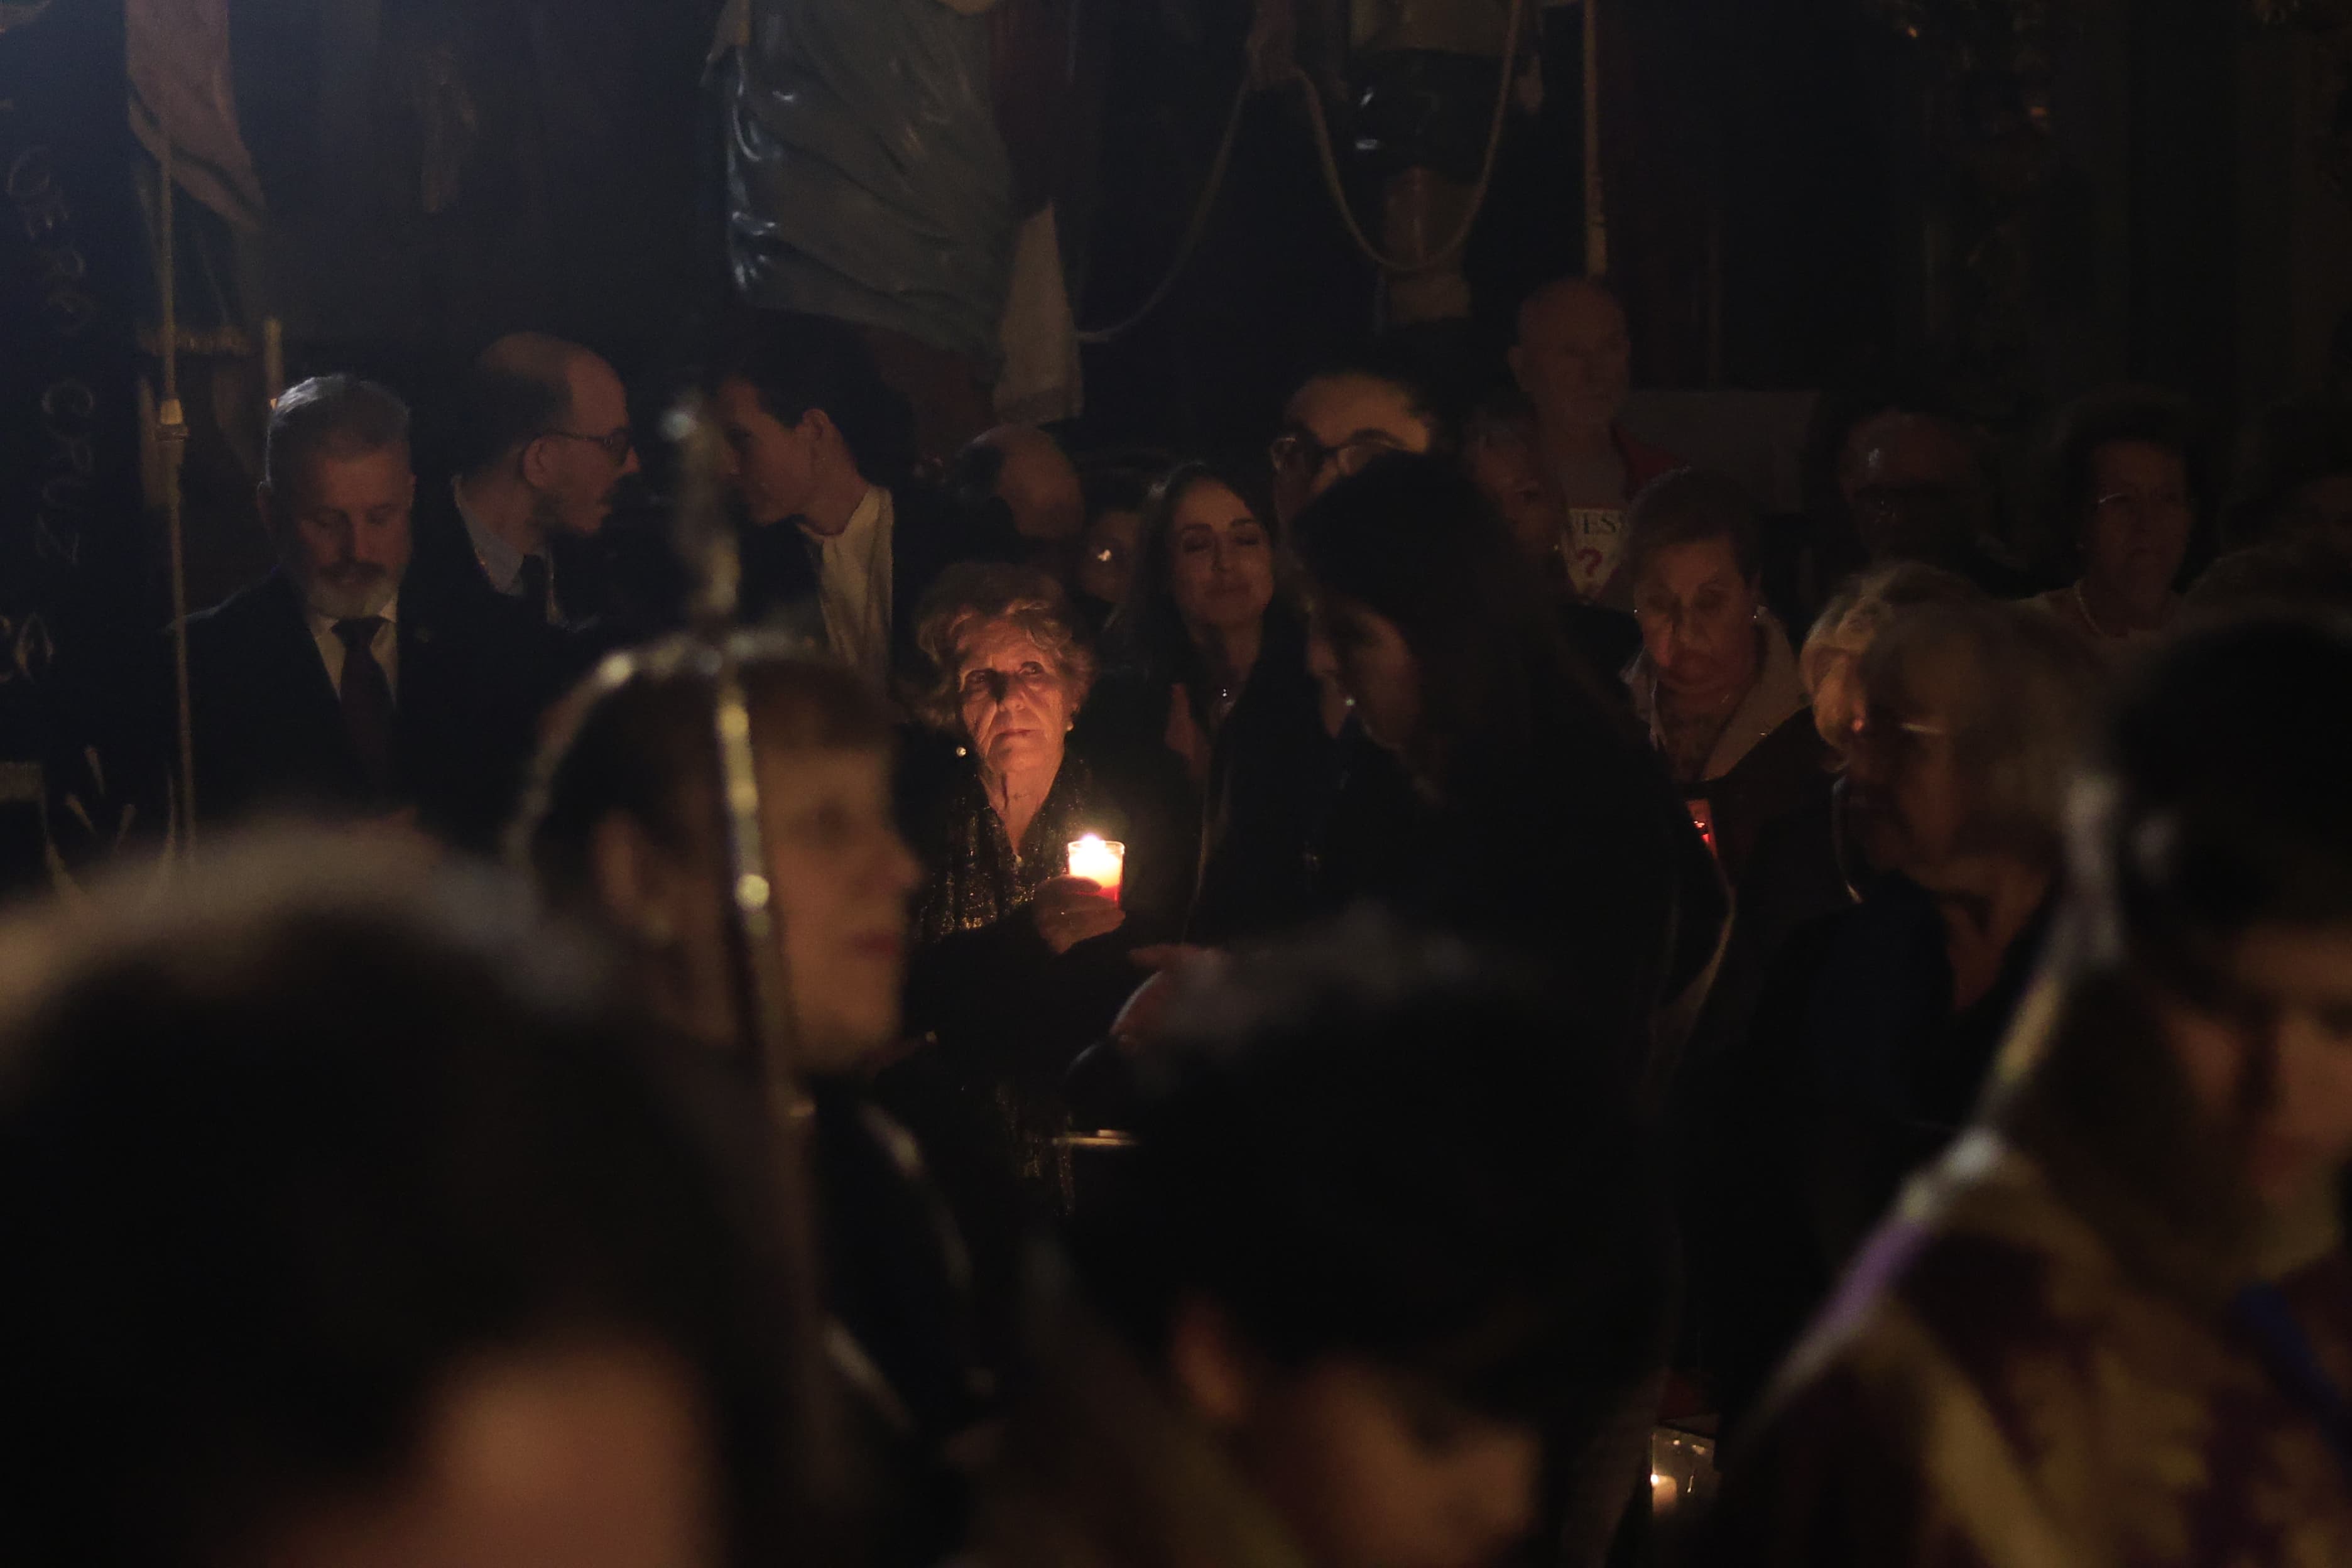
<point>928,533</point>
<point>268,723</point>
<point>444,568</point>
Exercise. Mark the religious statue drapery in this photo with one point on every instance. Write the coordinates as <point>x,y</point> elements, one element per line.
<point>866,178</point>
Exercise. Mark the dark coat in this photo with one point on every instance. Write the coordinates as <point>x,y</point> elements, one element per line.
<point>1002,1015</point>
<point>268,725</point>
<point>443,569</point>
<point>1244,835</point>
<point>1574,856</point>
<point>1273,763</point>
<point>929,534</point>
<point>1855,1072</point>
<point>1785,775</point>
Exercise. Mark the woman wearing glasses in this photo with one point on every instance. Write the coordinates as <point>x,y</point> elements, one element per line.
<point>1877,1027</point>
<point>1717,682</point>
<point>2123,492</point>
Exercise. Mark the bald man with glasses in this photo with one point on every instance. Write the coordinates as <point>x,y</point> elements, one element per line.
<point>543,447</point>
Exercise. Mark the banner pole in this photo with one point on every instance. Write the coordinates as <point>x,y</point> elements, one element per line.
<point>172,435</point>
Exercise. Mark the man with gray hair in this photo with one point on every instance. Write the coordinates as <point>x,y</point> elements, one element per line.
<point>324,688</point>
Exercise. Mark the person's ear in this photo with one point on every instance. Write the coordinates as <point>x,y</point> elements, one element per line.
<point>1213,1372</point>
<point>536,463</point>
<point>826,444</point>
<point>639,885</point>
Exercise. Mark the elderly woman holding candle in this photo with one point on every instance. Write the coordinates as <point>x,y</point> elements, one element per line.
<point>1018,963</point>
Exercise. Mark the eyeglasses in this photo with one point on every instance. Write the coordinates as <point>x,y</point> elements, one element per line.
<point>2136,504</point>
<point>617,444</point>
<point>1884,729</point>
<point>1298,456</point>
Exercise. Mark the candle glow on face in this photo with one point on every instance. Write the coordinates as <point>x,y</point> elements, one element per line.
<point>1100,861</point>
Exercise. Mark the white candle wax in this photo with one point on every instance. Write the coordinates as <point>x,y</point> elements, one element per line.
<point>1100,861</point>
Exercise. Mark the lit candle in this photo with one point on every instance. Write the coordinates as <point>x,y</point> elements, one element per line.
<point>1100,861</point>
<point>1663,1491</point>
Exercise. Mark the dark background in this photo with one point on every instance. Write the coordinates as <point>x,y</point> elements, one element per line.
<point>2024,198</point>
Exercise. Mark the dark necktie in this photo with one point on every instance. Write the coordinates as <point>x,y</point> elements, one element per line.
<point>532,583</point>
<point>367,699</point>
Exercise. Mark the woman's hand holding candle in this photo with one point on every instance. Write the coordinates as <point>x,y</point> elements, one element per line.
<point>1072,910</point>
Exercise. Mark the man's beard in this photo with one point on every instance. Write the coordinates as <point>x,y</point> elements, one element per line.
<point>353,593</point>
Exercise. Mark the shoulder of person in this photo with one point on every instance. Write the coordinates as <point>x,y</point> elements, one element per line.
<point>1791,754</point>
<point>1873,1449</point>
<point>1642,462</point>
<point>250,616</point>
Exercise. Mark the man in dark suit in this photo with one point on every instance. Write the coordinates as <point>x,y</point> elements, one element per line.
<point>540,452</point>
<point>328,687</point>
<point>821,452</point>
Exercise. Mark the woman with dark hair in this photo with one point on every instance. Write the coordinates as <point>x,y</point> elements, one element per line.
<point>624,829</point>
<point>1209,700</point>
<point>2122,497</point>
<point>2112,1326</point>
<point>1116,486</point>
<point>1386,1287</point>
<point>1543,823</point>
<point>1018,963</point>
<point>817,441</point>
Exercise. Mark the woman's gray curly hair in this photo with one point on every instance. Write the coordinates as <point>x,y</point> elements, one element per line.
<point>976,594</point>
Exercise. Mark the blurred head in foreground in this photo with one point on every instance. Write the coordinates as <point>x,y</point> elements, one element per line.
<point>1382,1243</point>
<point>623,825</point>
<point>346,1230</point>
<point>2212,861</point>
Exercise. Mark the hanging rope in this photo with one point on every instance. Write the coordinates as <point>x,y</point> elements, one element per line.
<point>1194,230</point>
<point>1330,160</point>
<point>1333,181</point>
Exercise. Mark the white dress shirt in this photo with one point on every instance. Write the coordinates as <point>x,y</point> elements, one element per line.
<point>853,586</point>
<point>500,561</point>
<point>385,646</point>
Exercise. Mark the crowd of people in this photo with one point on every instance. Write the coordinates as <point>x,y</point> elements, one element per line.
<point>1329,1004</point>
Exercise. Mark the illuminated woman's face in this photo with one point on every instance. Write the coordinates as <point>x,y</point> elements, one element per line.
<point>1015,700</point>
<point>1220,561</point>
